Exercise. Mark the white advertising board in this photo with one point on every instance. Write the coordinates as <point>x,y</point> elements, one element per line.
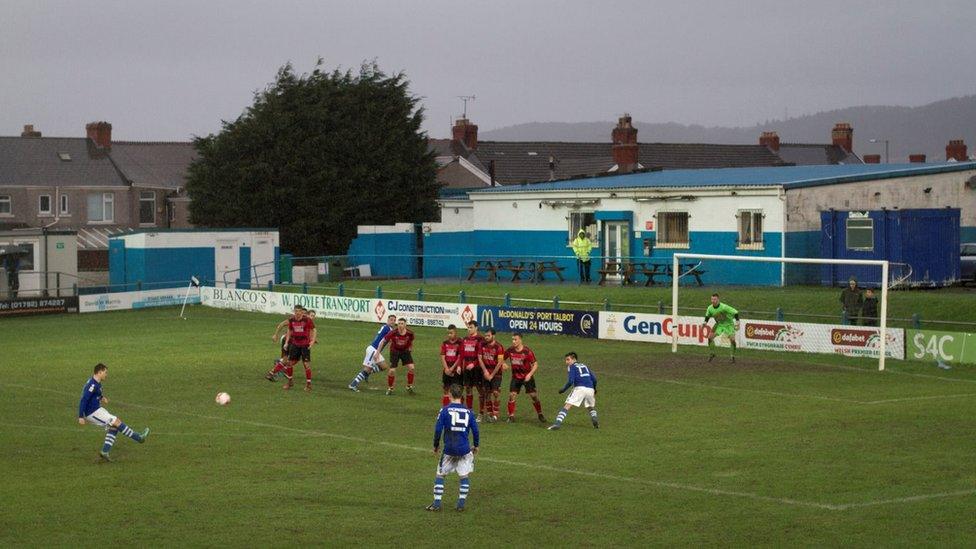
<point>135,300</point>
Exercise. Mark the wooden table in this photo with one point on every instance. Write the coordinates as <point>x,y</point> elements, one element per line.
<point>543,267</point>
<point>516,267</point>
<point>618,268</point>
<point>485,265</point>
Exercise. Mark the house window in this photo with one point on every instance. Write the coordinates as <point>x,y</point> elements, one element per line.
<point>44,204</point>
<point>672,230</point>
<point>101,208</point>
<point>750,230</point>
<point>582,220</point>
<point>5,208</point>
<point>64,204</point>
<point>147,208</point>
<point>860,234</point>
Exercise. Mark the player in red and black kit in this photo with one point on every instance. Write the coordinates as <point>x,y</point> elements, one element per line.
<point>279,363</point>
<point>450,363</point>
<point>492,363</point>
<point>471,373</point>
<point>301,336</point>
<point>524,366</point>
<point>401,345</point>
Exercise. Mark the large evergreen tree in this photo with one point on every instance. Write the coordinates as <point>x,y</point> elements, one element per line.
<point>316,155</point>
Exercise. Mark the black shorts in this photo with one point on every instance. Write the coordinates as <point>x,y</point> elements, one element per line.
<point>296,352</point>
<point>451,380</point>
<point>495,383</point>
<point>400,357</point>
<point>517,384</point>
<point>473,377</point>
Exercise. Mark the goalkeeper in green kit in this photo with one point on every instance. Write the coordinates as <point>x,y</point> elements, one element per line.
<point>726,324</point>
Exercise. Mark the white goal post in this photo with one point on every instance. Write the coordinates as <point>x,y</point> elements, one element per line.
<point>883,313</point>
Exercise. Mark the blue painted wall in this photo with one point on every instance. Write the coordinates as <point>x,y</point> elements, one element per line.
<point>158,267</point>
<point>968,234</point>
<point>446,254</point>
<point>803,244</point>
<point>372,249</point>
<point>244,275</point>
<point>926,239</point>
<point>725,272</point>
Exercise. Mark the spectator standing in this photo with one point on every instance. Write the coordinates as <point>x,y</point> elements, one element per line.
<point>581,248</point>
<point>869,309</point>
<point>852,300</point>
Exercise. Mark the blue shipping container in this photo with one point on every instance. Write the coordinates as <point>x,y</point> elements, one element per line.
<point>922,245</point>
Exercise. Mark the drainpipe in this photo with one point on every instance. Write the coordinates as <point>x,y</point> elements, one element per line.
<point>782,243</point>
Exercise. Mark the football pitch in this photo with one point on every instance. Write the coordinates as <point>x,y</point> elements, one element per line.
<point>773,450</point>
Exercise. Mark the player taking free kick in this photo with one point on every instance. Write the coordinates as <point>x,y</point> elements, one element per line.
<point>373,361</point>
<point>90,411</point>
<point>455,422</point>
<point>583,382</point>
<point>726,324</point>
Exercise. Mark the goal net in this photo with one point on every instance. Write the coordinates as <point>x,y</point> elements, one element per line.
<point>785,304</point>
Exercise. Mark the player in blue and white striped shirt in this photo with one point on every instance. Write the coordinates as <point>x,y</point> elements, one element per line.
<point>373,361</point>
<point>90,411</point>
<point>583,382</point>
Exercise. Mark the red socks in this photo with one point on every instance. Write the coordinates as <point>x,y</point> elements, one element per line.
<point>538,406</point>
<point>277,367</point>
<point>445,400</point>
<point>511,408</point>
<point>289,371</point>
<point>409,377</point>
<point>389,381</point>
<point>308,374</point>
<point>469,400</point>
<point>481,404</point>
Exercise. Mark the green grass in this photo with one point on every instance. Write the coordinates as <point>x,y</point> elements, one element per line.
<point>799,303</point>
<point>775,450</point>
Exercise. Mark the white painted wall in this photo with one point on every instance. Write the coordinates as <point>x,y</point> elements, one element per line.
<point>385,229</point>
<point>456,216</point>
<point>195,239</point>
<point>711,210</point>
<point>948,190</point>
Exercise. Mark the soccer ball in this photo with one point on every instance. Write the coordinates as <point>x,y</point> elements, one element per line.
<point>223,399</point>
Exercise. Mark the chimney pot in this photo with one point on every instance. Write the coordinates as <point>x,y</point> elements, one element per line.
<point>465,132</point>
<point>843,136</point>
<point>100,133</point>
<point>916,158</point>
<point>957,150</point>
<point>770,140</point>
<point>29,131</point>
<point>872,159</point>
<point>624,138</point>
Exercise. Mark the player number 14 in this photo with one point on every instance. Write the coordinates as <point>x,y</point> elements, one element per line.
<point>459,417</point>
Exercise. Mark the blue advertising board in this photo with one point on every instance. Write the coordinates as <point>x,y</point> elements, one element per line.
<point>539,321</point>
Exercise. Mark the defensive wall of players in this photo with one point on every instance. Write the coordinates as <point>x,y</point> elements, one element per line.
<point>949,347</point>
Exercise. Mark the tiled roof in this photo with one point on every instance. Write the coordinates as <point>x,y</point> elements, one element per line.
<point>789,177</point>
<point>812,154</point>
<point>154,164</point>
<point>528,161</point>
<point>62,161</point>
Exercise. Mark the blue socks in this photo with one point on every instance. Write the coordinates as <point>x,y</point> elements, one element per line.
<point>438,491</point>
<point>127,431</point>
<point>561,416</point>
<point>463,494</point>
<point>109,440</point>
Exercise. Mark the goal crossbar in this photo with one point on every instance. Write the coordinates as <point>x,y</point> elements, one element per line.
<point>883,339</point>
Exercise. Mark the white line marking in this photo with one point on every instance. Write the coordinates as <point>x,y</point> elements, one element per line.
<point>906,399</point>
<point>646,482</point>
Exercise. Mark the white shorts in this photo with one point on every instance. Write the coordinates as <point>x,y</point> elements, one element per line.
<point>101,418</point>
<point>462,465</point>
<point>582,396</point>
<point>372,356</point>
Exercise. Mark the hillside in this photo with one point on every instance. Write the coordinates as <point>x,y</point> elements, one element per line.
<point>923,129</point>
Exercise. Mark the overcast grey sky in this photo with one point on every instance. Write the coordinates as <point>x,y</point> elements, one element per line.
<point>166,70</point>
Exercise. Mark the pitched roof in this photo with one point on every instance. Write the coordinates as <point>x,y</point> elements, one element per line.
<point>812,154</point>
<point>789,177</point>
<point>154,164</point>
<point>528,161</point>
<point>62,161</point>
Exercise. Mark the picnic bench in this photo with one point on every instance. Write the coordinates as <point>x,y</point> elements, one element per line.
<point>485,265</point>
<point>650,270</point>
<point>543,267</point>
